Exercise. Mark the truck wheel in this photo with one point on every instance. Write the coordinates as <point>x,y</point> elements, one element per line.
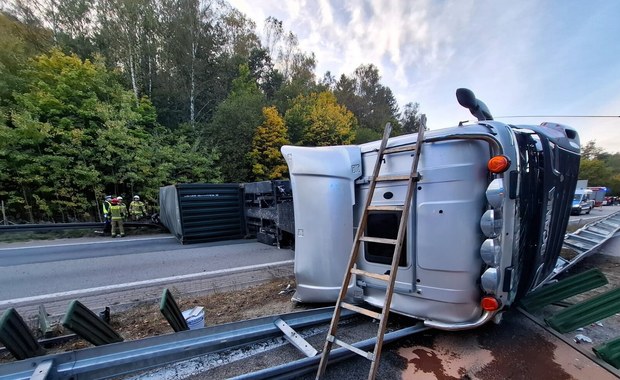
<point>589,209</point>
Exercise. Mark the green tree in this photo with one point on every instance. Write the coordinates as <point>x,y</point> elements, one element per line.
<point>595,171</point>
<point>234,125</point>
<point>599,167</point>
<point>318,120</point>
<point>371,102</point>
<point>19,42</point>
<point>267,161</point>
<point>76,133</point>
<point>410,121</point>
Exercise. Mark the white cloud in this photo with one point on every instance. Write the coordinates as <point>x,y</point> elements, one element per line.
<point>521,58</point>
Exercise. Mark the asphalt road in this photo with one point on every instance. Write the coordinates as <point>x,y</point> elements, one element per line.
<point>40,268</point>
<point>47,267</point>
<point>596,213</point>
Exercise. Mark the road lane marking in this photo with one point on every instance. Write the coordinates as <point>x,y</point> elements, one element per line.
<point>86,243</point>
<point>140,284</point>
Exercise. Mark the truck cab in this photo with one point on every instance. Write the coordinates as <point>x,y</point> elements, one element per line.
<point>471,233</point>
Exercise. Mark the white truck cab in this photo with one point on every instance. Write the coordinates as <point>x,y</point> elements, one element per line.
<point>472,234</point>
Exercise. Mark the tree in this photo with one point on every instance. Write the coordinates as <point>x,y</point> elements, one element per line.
<point>318,120</point>
<point>410,122</point>
<point>592,152</point>
<point>372,103</point>
<point>19,42</point>
<point>595,171</point>
<point>233,127</point>
<point>267,161</point>
<point>76,133</point>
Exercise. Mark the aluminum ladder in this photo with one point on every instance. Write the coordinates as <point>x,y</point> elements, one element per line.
<point>389,277</point>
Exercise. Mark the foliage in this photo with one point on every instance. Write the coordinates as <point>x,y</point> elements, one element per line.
<point>18,43</point>
<point>371,102</point>
<point>74,131</point>
<point>234,125</point>
<point>142,93</point>
<point>600,168</point>
<point>267,161</point>
<point>318,120</point>
<point>410,121</point>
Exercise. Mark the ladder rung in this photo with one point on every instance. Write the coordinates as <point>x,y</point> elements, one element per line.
<point>382,277</point>
<point>400,149</point>
<point>392,178</point>
<point>361,310</point>
<point>378,240</point>
<point>386,208</point>
<point>368,355</point>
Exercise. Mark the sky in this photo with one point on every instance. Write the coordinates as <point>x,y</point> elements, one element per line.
<point>522,58</point>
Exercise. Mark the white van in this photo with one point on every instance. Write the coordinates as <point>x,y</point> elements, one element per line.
<point>582,202</point>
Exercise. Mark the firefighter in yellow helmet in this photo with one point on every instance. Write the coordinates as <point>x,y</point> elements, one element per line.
<point>117,213</point>
<point>137,210</point>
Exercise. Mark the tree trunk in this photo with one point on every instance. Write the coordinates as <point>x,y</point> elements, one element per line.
<point>28,205</point>
<point>192,115</point>
<point>132,71</point>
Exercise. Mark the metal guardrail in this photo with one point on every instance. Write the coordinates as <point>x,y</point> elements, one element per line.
<point>585,241</point>
<point>123,358</point>
<point>49,227</point>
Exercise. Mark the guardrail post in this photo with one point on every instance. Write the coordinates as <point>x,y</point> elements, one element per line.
<point>86,324</point>
<point>17,337</point>
<point>171,311</point>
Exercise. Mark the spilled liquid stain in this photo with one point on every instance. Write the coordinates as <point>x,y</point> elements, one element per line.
<point>428,362</point>
<point>520,356</point>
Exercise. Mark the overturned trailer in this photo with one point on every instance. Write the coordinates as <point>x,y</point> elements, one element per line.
<point>474,231</point>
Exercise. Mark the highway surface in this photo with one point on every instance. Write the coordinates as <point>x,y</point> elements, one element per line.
<point>48,267</point>
<point>39,268</point>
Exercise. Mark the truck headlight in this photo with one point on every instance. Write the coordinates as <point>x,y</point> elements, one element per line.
<point>490,280</point>
<point>490,252</point>
<point>495,193</point>
<point>491,223</point>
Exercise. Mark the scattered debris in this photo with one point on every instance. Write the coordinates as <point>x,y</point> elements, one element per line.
<point>580,338</point>
<point>289,289</point>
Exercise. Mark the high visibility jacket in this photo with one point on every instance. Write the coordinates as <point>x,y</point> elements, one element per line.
<point>117,212</point>
<point>137,208</point>
<point>106,207</point>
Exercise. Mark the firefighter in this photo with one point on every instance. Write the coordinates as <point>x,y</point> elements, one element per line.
<point>123,207</point>
<point>137,210</point>
<point>106,213</point>
<point>117,214</point>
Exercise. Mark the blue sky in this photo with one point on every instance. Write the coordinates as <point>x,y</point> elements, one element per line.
<point>522,57</point>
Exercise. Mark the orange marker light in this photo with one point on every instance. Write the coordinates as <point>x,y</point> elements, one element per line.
<point>498,164</point>
<point>489,303</point>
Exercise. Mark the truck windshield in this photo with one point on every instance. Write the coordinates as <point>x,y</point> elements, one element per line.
<point>577,197</point>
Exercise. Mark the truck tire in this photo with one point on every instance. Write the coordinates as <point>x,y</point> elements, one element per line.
<point>589,209</point>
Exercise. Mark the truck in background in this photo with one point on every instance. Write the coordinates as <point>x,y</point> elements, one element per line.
<point>598,195</point>
<point>478,238</point>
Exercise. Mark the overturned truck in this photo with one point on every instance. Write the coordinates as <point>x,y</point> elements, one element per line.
<point>478,231</point>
